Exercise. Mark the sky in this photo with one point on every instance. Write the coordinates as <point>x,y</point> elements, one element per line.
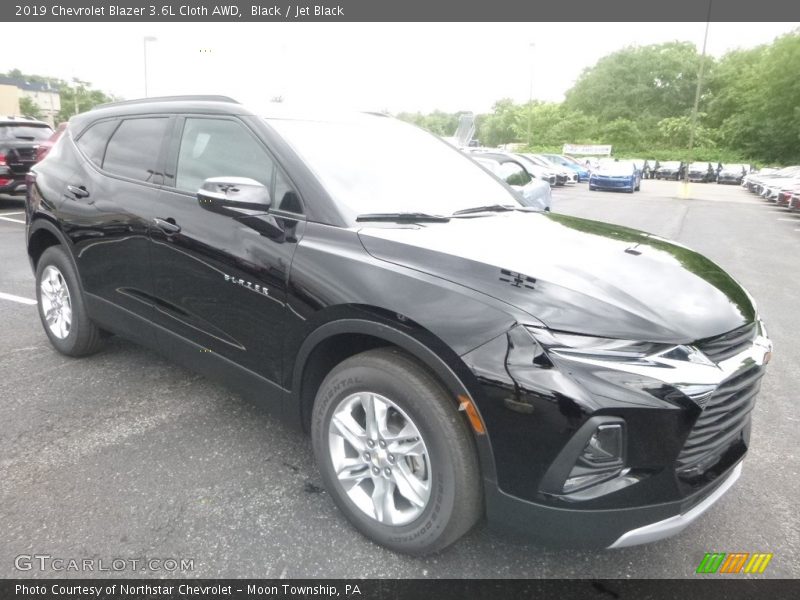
<point>365,66</point>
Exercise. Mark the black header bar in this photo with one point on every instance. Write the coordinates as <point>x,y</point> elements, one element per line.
<point>705,587</point>
<point>397,10</point>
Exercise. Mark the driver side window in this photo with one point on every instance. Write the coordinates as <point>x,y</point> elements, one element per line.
<point>220,148</point>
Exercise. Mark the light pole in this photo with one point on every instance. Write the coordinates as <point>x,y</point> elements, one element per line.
<point>685,187</point>
<point>147,38</point>
<point>530,95</point>
<point>78,87</point>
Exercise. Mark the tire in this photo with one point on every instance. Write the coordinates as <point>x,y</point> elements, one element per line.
<point>59,295</point>
<point>592,188</point>
<point>443,457</point>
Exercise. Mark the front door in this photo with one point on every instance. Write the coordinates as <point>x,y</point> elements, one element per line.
<point>220,278</point>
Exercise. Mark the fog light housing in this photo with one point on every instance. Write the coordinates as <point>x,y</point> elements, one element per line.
<point>602,458</point>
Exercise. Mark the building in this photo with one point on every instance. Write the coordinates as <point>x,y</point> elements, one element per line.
<point>45,96</point>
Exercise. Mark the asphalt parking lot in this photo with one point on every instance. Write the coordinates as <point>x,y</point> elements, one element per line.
<point>124,455</point>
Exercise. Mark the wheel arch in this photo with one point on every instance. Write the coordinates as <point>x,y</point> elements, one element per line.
<point>42,236</point>
<point>334,341</point>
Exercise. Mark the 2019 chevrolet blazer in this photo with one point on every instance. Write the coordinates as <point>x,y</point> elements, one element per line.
<point>451,352</point>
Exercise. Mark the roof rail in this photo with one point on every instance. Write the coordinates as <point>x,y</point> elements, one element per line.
<point>198,98</point>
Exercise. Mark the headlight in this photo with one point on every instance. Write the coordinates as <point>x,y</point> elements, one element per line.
<point>586,345</point>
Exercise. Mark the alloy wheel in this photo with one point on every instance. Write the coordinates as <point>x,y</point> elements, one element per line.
<point>380,458</point>
<point>56,302</point>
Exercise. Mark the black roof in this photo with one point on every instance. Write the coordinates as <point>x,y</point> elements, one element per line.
<point>22,121</point>
<point>164,105</point>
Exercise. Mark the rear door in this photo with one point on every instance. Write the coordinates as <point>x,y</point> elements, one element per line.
<point>220,279</point>
<point>108,206</point>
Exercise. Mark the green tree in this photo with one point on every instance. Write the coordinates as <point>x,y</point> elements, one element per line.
<point>29,108</point>
<point>502,125</point>
<point>654,82</point>
<point>675,132</point>
<point>760,115</point>
<point>82,97</point>
<point>623,134</point>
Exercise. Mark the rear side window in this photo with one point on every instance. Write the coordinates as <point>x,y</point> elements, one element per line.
<point>133,149</point>
<point>94,140</point>
<point>219,148</point>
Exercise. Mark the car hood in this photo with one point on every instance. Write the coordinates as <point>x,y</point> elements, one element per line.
<point>611,172</point>
<point>575,275</point>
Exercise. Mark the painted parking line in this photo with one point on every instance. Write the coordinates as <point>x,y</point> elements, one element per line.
<point>13,298</point>
<point>12,220</point>
<point>790,220</point>
<point>6,214</point>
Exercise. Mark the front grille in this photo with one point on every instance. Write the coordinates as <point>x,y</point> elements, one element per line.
<point>729,344</point>
<point>721,423</point>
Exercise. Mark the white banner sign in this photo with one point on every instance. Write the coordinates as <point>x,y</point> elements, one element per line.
<point>583,149</point>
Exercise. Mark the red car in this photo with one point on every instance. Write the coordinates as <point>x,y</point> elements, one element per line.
<point>794,201</point>
<point>43,148</point>
<point>785,196</point>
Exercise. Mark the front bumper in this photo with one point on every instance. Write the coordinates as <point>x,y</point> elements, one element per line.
<point>536,418</point>
<point>16,186</point>
<point>611,183</point>
<point>673,525</point>
<point>610,528</point>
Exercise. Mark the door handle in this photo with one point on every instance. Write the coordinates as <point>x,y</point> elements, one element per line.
<point>167,225</point>
<point>78,191</point>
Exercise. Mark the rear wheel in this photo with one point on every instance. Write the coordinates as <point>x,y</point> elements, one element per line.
<point>394,453</point>
<point>61,306</point>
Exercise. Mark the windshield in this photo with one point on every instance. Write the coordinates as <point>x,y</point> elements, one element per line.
<point>530,166</point>
<point>621,167</point>
<point>33,133</point>
<point>698,167</point>
<point>371,164</point>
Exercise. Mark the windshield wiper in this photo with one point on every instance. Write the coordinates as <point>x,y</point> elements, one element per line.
<point>488,208</point>
<point>403,217</point>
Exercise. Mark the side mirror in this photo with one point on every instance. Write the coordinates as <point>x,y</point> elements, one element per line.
<point>229,195</point>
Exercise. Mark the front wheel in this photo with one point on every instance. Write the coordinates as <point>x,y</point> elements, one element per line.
<point>394,453</point>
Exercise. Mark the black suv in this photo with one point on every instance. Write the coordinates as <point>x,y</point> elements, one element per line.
<point>19,138</point>
<point>451,352</point>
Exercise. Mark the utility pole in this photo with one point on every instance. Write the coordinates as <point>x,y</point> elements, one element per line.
<point>145,39</point>
<point>696,103</point>
<point>530,95</point>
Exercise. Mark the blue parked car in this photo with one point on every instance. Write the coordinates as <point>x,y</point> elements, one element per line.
<point>617,175</point>
<point>582,172</point>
